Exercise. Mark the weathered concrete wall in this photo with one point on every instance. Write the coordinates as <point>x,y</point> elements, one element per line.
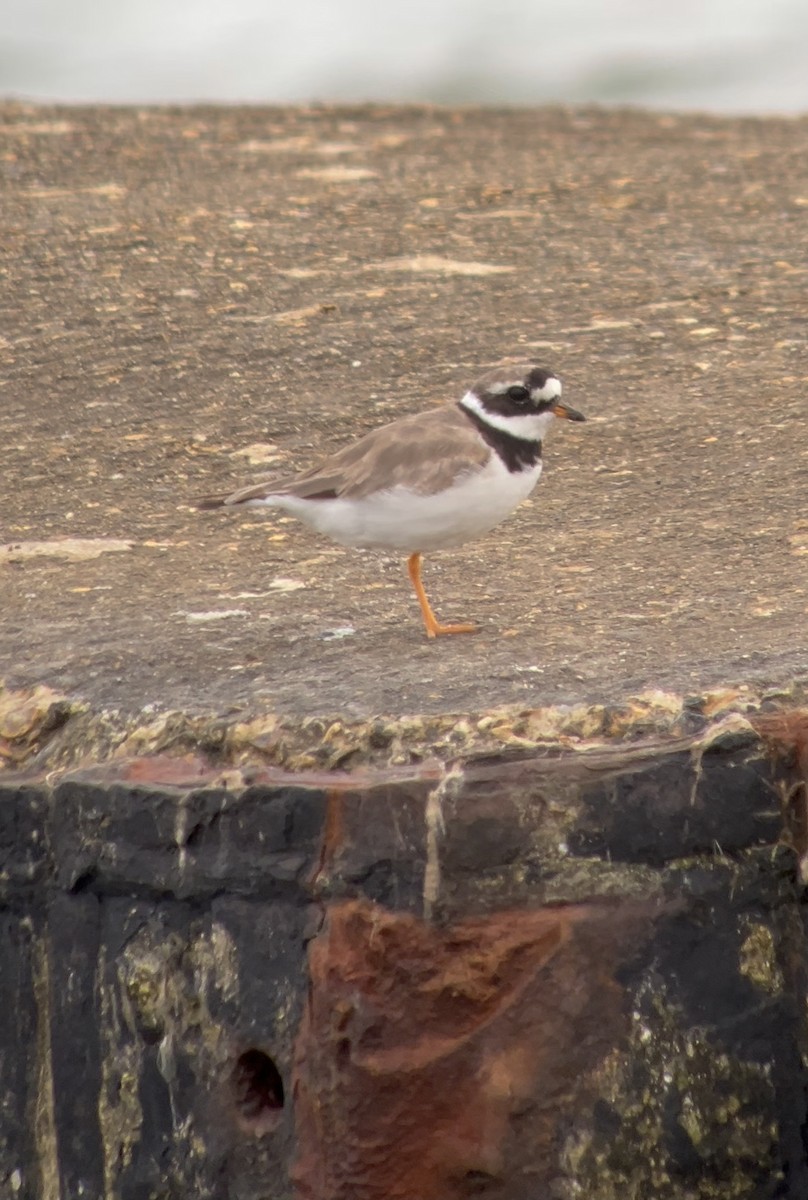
<point>294,904</point>
<point>559,974</point>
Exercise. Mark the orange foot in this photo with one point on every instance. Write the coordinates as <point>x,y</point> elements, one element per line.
<point>434,628</point>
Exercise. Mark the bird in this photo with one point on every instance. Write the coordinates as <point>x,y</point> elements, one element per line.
<point>429,481</point>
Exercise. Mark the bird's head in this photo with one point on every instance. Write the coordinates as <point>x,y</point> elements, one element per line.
<point>524,401</point>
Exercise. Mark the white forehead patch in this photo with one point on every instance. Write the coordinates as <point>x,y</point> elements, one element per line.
<point>550,391</point>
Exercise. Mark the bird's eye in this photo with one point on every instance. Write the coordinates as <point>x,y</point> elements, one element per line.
<point>519,394</point>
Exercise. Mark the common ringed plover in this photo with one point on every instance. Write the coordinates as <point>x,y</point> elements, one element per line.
<point>429,481</point>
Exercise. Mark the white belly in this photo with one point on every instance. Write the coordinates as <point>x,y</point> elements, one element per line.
<point>399,519</point>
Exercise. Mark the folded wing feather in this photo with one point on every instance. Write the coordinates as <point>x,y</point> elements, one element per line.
<point>424,453</point>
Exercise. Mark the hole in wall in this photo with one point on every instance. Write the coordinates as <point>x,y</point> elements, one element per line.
<point>257,1091</point>
<point>84,882</point>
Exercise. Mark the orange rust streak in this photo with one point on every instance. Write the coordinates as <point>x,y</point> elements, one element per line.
<point>421,1048</point>
<point>785,732</point>
<point>333,831</point>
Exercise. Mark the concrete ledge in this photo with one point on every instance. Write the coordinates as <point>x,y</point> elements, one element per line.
<point>197,297</point>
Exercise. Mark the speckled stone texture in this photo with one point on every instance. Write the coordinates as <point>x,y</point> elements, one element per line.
<point>195,299</point>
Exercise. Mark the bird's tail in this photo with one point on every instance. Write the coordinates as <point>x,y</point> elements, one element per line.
<point>206,502</point>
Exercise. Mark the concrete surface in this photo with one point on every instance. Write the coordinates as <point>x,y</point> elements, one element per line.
<point>181,287</point>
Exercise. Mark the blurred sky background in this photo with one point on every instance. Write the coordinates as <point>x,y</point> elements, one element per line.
<point>741,56</point>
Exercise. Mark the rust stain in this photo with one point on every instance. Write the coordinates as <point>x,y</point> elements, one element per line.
<point>188,770</point>
<point>195,769</point>
<point>785,732</point>
<point>786,736</point>
<point>333,832</point>
<point>434,1063</point>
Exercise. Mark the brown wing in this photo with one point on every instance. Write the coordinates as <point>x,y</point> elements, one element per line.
<point>425,452</point>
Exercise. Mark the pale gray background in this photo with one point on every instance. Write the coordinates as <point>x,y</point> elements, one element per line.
<point>724,55</point>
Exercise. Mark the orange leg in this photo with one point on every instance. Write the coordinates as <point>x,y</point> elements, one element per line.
<point>433,625</point>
